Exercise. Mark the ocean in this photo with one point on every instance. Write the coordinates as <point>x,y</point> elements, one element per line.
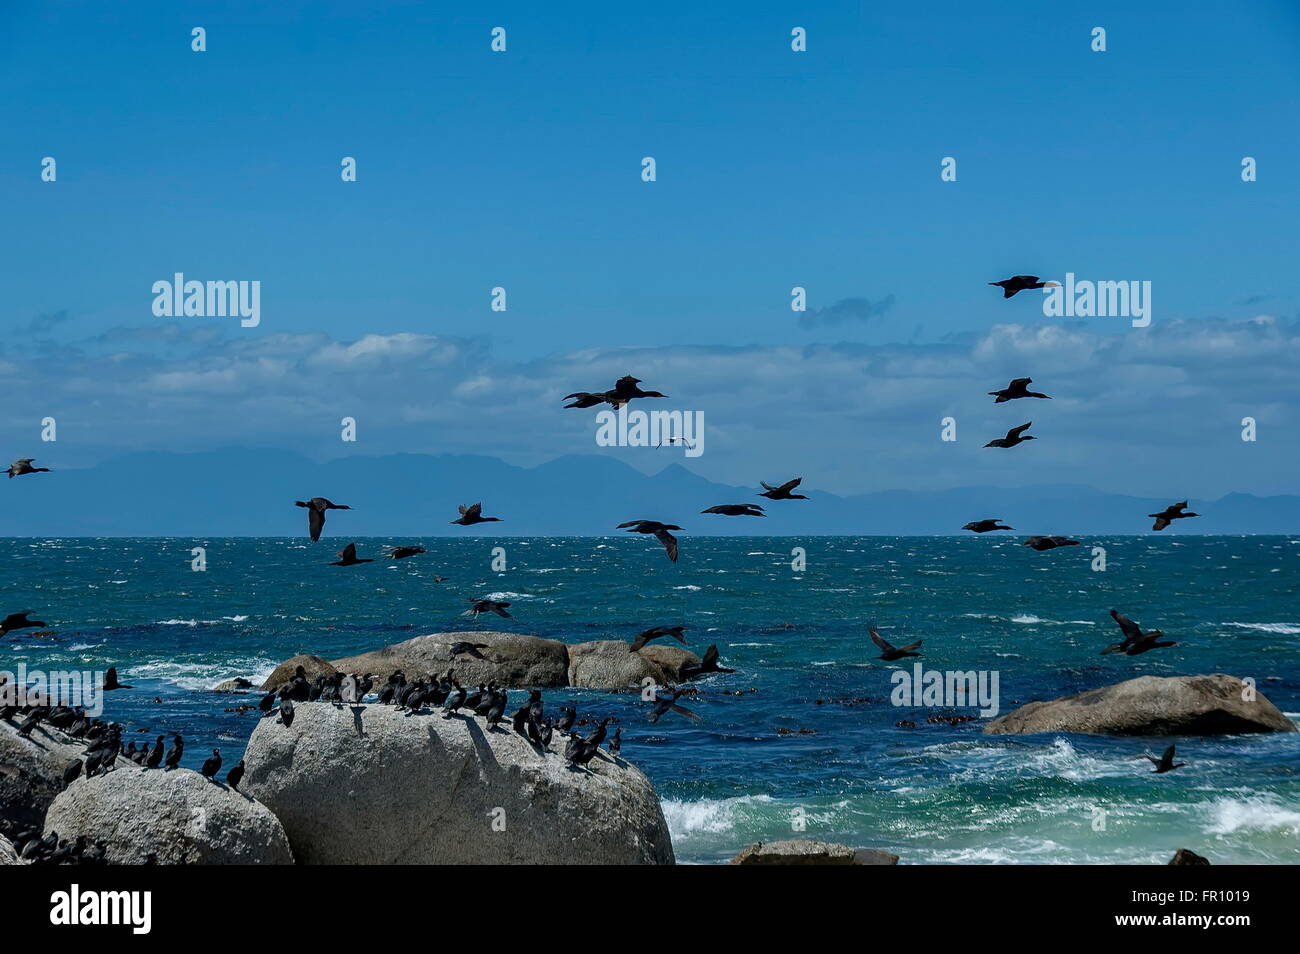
<point>803,740</point>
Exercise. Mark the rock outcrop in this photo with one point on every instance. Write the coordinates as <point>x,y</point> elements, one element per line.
<point>804,852</point>
<point>177,816</point>
<point>8,856</point>
<point>607,664</point>
<point>1184,857</point>
<point>313,666</point>
<point>1152,705</point>
<point>513,660</point>
<point>31,771</point>
<point>372,785</point>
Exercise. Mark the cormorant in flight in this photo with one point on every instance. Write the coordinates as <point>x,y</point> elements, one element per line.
<point>889,652</point>
<point>1013,437</point>
<point>1017,389</point>
<point>660,530</point>
<point>316,508</point>
<point>1171,513</point>
<point>1018,283</point>
<point>782,492</point>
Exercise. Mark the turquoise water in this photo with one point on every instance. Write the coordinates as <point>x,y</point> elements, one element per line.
<point>804,734</point>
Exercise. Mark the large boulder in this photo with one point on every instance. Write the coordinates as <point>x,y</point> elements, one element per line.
<point>513,660</point>
<point>31,771</point>
<point>608,664</point>
<point>178,816</point>
<point>372,785</point>
<point>8,856</point>
<point>804,852</point>
<point>1152,705</point>
<point>313,666</point>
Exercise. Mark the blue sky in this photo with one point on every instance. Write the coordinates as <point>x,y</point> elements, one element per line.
<point>521,169</point>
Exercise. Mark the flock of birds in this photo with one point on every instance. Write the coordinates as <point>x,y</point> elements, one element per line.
<point>489,700</point>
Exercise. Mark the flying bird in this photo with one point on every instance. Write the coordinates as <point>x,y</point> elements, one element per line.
<point>1135,641</point>
<point>654,633</point>
<point>1013,437</point>
<point>110,680</point>
<point>889,652</point>
<point>984,526</point>
<point>708,664</point>
<point>1018,388</point>
<point>626,388</point>
<point>23,465</point>
<point>401,553</point>
<point>587,398</point>
<point>18,621</point>
<point>1050,543</point>
<point>737,510</point>
<point>487,606</point>
<point>782,492</point>
<point>1018,283</point>
<point>316,508</point>
<point>1171,513</point>
<point>665,704</point>
<point>1165,763</point>
<point>473,514</point>
<point>348,557</point>
<point>660,530</point>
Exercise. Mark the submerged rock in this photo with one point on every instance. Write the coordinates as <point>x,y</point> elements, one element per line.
<point>805,852</point>
<point>608,664</point>
<point>372,785</point>
<point>31,771</point>
<point>513,660</point>
<point>313,666</point>
<point>178,816</point>
<point>1151,705</point>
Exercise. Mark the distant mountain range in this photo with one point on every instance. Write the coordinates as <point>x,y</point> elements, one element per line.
<point>251,493</point>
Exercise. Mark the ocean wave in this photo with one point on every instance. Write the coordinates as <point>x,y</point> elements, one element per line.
<point>1258,813</point>
<point>1285,629</point>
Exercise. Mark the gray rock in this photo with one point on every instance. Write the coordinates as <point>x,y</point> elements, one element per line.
<point>7,854</point>
<point>313,665</point>
<point>805,852</point>
<point>179,816</point>
<point>31,771</point>
<point>514,660</point>
<point>238,684</point>
<point>371,785</point>
<point>1151,705</point>
<point>607,664</point>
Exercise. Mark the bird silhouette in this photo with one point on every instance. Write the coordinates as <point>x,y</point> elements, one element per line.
<point>1018,388</point>
<point>1171,513</point>
<point>660,530</point>
<point>316,508</point>
<point>473,514</point>
<point>782,492</point>
<point>23,465</point>
<point>1019,283</point>
<point>1013,437</point>
<point>888,651</point>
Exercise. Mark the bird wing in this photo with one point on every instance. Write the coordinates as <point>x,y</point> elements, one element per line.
<point>1131,629</point>
<point>670,543</point>
<point>766,486</point>
<point>677,635</point>
<point>630,523</point>
<point>1160,524</point>
<point>1017,431</point>
<point>315,522</point>
<point>1153,760</point>
<point>876,638</point>
<point>1182,505</point>
<point>27,460</point>
<point>349,552</point>
<point>474,510</point>
<point>682,710</point>
<point>1017,383</point>
<point>639,642</point>
<point>910,646</point>
<point>1169,755</point>
<point>718,509</point>
<point>1027,279</point>
<point>791,484</point>
<point>500,610</point>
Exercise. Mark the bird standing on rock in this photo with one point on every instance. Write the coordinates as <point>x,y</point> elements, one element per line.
<point>235,775</point>
<point>211,765</point>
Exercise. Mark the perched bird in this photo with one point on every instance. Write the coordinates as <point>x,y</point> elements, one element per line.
<point>348,557</point>
<point>455,699</point>
<point>235,775</point>
<point>19,621</point>
<point>665,703</point>
<point>737,510</point>
<point>578,751</point>
<point>1050,543</point>
<point>889,652</point>
<point>110,680</point>
<point>1171,513</point>
<point>1018,283</point>
<point>23,465</point>
<point>1013,437</point>
<point>267,702</point>
<point>401,553</point>
<point>156,754</point>
<point>568,716</point>
<point>984,526</point>
<point>708,664</point>
<point>316,508</point>
<point>1165,763</point>
<point>72,771</point>
<point>286,712</point>
<point>1135,641</point>
<point>211,765</point>
<point>616,742</point>
<point>473,514</point>
<point>174,754</point>
<point>477,607</point>
<point>660,530</point>
<point>782,492</point>
<point>655,632</point>
<point>1018,388</point>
